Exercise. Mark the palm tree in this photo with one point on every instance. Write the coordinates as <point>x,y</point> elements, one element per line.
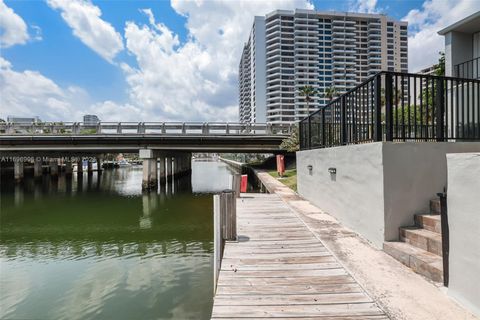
<point>330,93</point>
<point>308,92</point>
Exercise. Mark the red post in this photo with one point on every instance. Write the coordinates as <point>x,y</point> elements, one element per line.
<point>243,183</point>
<point>280,165</point>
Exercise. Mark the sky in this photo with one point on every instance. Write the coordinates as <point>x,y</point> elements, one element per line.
<point>160,60</point>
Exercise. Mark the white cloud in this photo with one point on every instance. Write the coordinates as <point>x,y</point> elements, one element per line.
<point>423,42</point>
<point>84,18</point>
<point>191,81</point>
<point>37,32</point>
<point>13,30</point>
<point>196,80</point>
<point>29,93</point>
<point>364,6</point>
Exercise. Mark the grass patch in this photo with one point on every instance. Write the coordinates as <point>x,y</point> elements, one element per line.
<point>289,178</point>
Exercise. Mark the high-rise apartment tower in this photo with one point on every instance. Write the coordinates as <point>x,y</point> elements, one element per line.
<point>287,50</point>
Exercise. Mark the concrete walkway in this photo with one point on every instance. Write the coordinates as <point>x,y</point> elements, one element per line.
<point>400,292</point>
<point>279,269</point>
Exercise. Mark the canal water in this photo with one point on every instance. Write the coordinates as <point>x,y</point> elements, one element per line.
<point>96,247</point>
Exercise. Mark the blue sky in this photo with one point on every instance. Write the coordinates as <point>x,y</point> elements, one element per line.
<point>159,60</point>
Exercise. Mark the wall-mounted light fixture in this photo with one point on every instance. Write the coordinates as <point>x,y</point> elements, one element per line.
<point>332,170</point>
<point>310,169</point>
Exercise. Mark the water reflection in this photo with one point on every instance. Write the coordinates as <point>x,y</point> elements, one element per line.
<point>96,247</point>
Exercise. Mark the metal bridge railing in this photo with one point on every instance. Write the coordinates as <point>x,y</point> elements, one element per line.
<point>469,69</point>
<point>144,128</point>
<point>392,106</point>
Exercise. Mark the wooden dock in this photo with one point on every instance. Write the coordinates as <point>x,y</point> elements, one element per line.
<point>279,269</point>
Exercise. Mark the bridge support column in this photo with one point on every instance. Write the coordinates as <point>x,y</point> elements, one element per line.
<point>18,171</point>
<point>169,170</point>
<point>150,169</point>
<point>68,168</point>
<point>53,163</point>
<point>37,168</point>
<point>162,168</point>
<point>99,165</point>
<point>89,167</point>
<point>80,167</point>
<point>177,162</point>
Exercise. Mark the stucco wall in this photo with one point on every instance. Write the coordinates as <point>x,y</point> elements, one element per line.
<point>414,172</point>
<point>378,186</point>
<point>458,49</point>
<point>464,222</point>
<point>355,194</point>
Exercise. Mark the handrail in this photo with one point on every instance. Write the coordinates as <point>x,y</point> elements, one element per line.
<point>395,74</point>
<point>396,106</point>
<point>445,236</point>
<point>469,69</point>
<point>144,128</point>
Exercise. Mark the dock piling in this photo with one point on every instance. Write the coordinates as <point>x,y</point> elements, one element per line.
<point>225,225</point>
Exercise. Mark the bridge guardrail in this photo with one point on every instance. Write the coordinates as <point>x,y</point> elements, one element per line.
<point>144,128</point>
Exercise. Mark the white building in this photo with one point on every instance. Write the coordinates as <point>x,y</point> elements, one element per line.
<point>252,98</point>
<point>15,119</point>
<point>462,47</point>
<point>90,120</point>
<point>320,49</point>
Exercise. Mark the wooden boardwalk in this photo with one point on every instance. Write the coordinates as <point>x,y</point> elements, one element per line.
<point>279,269</point>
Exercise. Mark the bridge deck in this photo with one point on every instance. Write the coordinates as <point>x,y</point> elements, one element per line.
<point>279,269</point>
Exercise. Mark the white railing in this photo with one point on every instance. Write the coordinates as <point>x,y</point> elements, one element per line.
<point>144,128</point>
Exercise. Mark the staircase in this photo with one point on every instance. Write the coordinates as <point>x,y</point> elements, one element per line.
<point>420,246</point>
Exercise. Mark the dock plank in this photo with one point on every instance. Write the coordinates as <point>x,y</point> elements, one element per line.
<point>279,269</point>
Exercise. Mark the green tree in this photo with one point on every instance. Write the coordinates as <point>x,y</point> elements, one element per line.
<point>308,92</point>
<point>330,93</point>
<point>440,67</point>
<point>292,143</point>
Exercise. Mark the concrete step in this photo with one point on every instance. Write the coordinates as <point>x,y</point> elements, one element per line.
<point>422,262</point>
<point>435,206</point>
<point>430,222</point>
<point>423,239</point>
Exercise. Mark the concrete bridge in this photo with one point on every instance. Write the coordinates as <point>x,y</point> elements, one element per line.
<point>79,138</point>
<point>169,144</point>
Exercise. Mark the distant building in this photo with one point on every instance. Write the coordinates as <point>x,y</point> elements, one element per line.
<point>287,50</point>
<point>14,119</point>
<point>430,70</point>
<point>90,120</point>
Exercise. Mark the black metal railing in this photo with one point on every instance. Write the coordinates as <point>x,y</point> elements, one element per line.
<point>445,237</point>
<point>392,106</point>
<point>469,69</point>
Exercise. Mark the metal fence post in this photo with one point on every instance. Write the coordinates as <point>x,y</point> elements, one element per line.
<point>301,137</point>
<point>388,107</point>
<point>309,134</point>
<point>377,108</point>
<point>440,110</point>
<point>324,138</point>
<point>343,120</point>
<point>445,236</point>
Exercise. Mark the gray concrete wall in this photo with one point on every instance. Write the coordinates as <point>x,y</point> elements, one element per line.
<point>355,194</point>
<point>476,45</point>
<point>464,222</point>
<point>414,172</point>
<point>378,186</point>
<point>458,49</point>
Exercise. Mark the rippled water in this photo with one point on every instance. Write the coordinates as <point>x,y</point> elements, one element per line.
<point>97,248</point>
